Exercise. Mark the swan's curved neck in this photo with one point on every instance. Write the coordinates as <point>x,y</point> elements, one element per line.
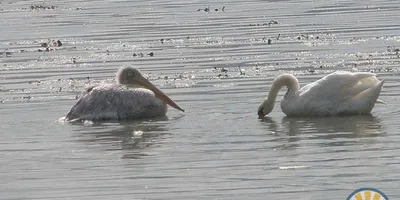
<point>287,80</point>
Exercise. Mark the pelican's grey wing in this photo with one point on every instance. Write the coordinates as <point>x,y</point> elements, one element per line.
<point>91,102</point>
<point>116,102</point>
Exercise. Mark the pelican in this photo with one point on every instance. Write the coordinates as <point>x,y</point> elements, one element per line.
<point>339,93</point>
<point>133,97</point>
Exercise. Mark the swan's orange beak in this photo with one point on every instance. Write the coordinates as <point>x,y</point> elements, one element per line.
<point>159,94</point>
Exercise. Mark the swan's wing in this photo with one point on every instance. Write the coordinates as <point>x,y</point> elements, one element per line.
<point>336,93</point>
<point>339,86</point>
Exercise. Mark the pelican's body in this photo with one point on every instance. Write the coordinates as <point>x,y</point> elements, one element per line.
<point>133,97</point>
<point>339,93</point>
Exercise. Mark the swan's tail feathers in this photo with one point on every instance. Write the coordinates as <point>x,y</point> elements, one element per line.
<point>380,101</point>
<point>380,85</point>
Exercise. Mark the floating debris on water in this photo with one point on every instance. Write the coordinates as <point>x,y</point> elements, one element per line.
<point>222,9</point>
<point>223,70</point>
<point>223,75</point>
<point>42,7</point>
<point>393,49</point>
<point>308,37</point>
<point>6,53</point>
<point>241,72</point>
<point>151,54</point>
<point>272,22</point>
<point>50,43</point>
<point>58,43</point>
<point>207,9</point>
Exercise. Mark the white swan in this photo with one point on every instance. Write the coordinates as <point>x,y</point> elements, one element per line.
<point>339,93</point>
<point>133,97</point>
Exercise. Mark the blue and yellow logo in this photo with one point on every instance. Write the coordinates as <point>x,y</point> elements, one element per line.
<point>367,194</point>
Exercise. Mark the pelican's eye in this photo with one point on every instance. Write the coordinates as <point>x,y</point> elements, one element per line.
<point>134,73</point>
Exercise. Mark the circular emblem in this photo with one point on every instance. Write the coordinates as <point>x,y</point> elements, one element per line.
<point>367,194</point>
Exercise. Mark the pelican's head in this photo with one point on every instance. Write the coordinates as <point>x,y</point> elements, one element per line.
<point>128,75</point>
<point>131,76</point>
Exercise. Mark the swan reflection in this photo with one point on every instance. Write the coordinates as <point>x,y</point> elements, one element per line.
<point>326,129</point>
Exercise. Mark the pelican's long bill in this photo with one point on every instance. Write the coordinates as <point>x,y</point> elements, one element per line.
<point>158,93</point>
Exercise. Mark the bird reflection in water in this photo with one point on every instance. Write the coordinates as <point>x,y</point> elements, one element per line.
<point>133,138</point>
<point>326,129</point>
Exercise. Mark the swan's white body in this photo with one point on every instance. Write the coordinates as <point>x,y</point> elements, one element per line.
<point>132,97</point>
<point>339,93</point>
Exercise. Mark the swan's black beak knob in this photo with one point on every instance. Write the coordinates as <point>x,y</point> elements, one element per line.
<point>260,114</point>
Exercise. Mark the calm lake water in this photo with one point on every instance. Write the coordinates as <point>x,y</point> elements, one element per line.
<point>218,66</point>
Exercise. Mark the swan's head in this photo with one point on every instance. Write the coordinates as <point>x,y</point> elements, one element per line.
<point>265,108</point>
<point>287,80</point>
